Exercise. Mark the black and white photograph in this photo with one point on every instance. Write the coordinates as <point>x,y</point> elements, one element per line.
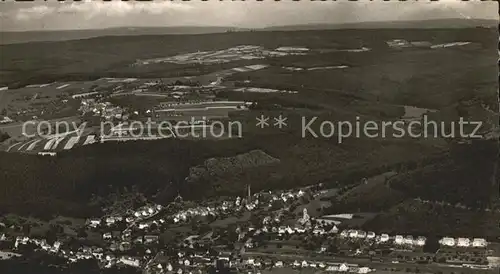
<point>249,137</point>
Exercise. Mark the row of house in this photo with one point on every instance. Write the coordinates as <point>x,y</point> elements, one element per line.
<point>463,242</point>
<point>384,238</point>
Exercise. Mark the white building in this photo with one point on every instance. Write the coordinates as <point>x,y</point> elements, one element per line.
<point>463,242</point>
<point>94,222</point>
<point>408,240</point>
<point>447,241</point>
<point>353,234</point>
<point>363,270</point>
<point>420,241</point>
<point>479,242</point>
<point>384,238</point>
<point>370,235</point>
<point>82,95</point>
<point>343,268</point>
<point>56,246</point>
<point>399,240</point>
<point>130,261</point>
<point>361,234</point>
<point>6,120</point>
<point>110,220</point>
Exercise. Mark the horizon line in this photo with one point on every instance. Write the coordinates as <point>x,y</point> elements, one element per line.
<point>493,21</point>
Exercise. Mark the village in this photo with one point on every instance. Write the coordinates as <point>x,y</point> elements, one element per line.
<point>259,231</point>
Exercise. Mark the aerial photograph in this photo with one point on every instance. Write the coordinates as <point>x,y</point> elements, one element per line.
<point>255,137</point>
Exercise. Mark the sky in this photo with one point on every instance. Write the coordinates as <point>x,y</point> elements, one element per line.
<point>95,14</point>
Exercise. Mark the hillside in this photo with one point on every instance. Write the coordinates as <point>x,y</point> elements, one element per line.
<point>423,24</point>
<point>457,192</point>
<point>7,37</point>
<point>150,166</point>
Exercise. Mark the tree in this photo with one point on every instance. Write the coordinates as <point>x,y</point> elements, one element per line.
<point>26,229</point>
<point>4,136</point>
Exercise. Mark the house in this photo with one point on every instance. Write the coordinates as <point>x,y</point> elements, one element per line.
<point>364,270</point>
<point>97,255</point>
<point>150,239</point>
<point>304,264</point>
<point>479,242</point>
<point>384,238</point>
<point>130,261</point>
<point>82,95</point>
<point>278,264</point>
<point>463,242</point>
<point>106,236</point>
<point>399,240</point>
<point>127,233</point>
<point>408,240</point>
<point>332,268</point>
<point>94,223</point>
<point>109,257</point>
<point>370,235</point>
<point>138,240</point>
<point>343,267</point>
<point>324,248</point>
<point>249,243</point>
<point>110,221</point>
<point>361,234</point>
<point>45,246</point>
<point>420,241</point>
<point>353,233</point>
<point>56,247</point>
<point>446,241</point>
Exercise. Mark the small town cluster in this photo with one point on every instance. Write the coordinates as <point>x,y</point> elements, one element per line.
<point>251,233</point>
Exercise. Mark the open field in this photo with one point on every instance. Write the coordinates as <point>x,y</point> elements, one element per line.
<point>74,59</point>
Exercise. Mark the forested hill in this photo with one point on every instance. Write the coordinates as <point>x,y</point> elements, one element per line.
<point>64,184</point>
